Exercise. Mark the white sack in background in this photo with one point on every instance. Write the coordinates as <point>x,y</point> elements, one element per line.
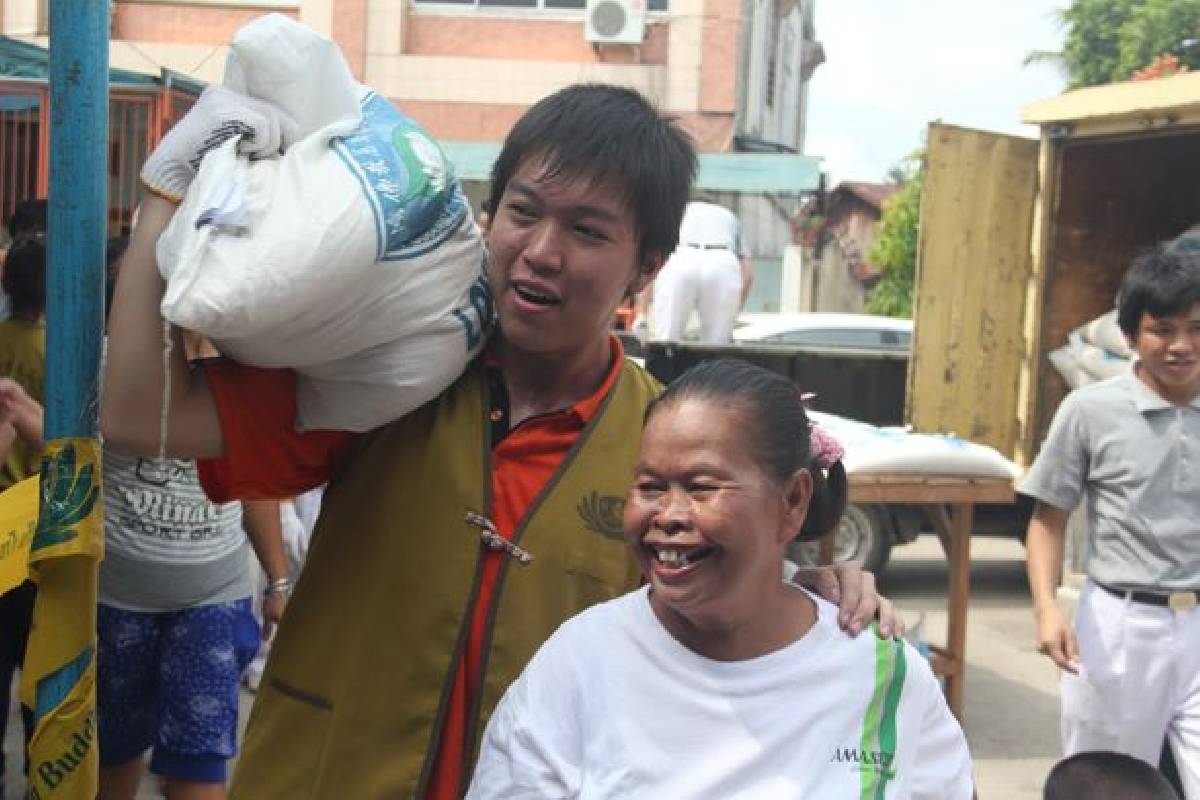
<point>352,258</point>
<point>894,450</point>
<point>1100,364</point>
<point>1104,332</point>
<point>1095,351</point>
<point>1066,360</point>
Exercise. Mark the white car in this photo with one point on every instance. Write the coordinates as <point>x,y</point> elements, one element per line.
<point>826,329</point>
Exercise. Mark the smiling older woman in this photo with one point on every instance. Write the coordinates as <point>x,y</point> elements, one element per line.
<point>718,679</point>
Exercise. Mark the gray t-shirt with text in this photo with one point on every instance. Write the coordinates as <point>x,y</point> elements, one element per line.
<point>167,547</point>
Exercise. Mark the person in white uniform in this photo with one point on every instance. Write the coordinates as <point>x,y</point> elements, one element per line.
<point>1129,448</point>
<point>717,679</point>
<point>710,273</point>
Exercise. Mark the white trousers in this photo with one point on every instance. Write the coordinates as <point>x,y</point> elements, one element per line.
<point>707,281</point>
<point>1139,681</point>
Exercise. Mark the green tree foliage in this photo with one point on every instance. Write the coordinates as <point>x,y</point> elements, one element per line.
<point>1107,40</point>
<point>895,249</point>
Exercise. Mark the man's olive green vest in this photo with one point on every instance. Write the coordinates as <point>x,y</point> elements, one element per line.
<point>354,695</point>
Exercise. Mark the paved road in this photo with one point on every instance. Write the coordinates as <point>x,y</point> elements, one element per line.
<point>1011,691</point>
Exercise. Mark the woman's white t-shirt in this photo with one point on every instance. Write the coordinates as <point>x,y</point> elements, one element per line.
<point>612,706</point>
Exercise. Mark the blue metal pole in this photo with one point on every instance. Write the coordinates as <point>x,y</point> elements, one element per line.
<point>76,225</point>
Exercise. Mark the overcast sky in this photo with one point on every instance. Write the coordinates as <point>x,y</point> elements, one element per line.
<point>892,66</point>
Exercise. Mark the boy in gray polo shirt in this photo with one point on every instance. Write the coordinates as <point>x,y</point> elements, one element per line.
<point>1130,448</point>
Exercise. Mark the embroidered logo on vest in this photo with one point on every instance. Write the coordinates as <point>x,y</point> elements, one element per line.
<point>603,514</point>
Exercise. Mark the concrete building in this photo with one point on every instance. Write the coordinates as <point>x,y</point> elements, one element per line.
<point>734,72</point>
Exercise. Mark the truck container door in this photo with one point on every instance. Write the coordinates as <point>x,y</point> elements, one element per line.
<point>973,268</point>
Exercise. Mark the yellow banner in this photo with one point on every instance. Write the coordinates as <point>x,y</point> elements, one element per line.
<point>18,521</point>
<point>59,677</point>
<point>71,521</point>
<point>59,682</point>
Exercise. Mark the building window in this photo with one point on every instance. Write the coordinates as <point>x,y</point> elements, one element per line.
<point>550,5</point>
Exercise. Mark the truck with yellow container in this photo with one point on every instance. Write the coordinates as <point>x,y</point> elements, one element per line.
<point>1023,240</point>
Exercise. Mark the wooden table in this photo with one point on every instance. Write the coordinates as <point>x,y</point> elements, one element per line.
<point>950,504</point>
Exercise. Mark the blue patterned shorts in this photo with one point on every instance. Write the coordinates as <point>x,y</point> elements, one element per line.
<point>170,681</point>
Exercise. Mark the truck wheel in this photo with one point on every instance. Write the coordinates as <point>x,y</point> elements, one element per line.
<point>862,535</point>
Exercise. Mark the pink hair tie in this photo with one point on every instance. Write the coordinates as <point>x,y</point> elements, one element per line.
<point>826,449</point>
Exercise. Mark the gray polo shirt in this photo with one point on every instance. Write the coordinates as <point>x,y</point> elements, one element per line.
<point>1135,460</point>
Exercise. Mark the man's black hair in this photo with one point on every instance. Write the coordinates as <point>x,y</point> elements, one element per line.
<point>608,134</point>
<point>1164,282</point>
<point>1104,775</point>
<point>27,219</point>
<point>25,278</point>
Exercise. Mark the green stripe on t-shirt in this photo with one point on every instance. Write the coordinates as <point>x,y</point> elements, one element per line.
<point>871,719</point>
<point>887,724</point>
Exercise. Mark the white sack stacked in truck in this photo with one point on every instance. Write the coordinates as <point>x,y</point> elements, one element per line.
<point>352,257</point>
<point>1094,351</point>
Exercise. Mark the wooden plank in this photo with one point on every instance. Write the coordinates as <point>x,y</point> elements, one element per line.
<point>961,518</point>
<point>942,662</point>
<point>926,491</point>
<point>972,274</point>
<point>1042,249</point>
<point>920,479</point>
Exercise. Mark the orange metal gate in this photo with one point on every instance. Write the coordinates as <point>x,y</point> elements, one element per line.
<point>137,121</point>
<point>23,144</point>
<point>130,131</point>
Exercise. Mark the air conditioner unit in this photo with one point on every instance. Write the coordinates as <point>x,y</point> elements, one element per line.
<point>615,21</point>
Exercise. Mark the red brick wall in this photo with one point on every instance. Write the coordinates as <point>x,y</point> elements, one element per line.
<point>181,24</point>
<point>718,65</point>
<point>463,121</point>
<point>492,121</point>
<point>523,40</point>
<point>350,33</point>
<point>713,133</point>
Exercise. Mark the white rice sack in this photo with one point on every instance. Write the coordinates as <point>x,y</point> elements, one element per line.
<point>352,258</point>
<point>303,74</point>
<point>1066,360</point>
<point>1081,363</point>
<point>1104,332</point>
<point>1100,364</point>
<point>894,450</point>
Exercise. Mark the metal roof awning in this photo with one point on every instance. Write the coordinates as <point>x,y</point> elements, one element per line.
<point>20,102</point>
<point>747,173</point>
<point>28,61</point>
